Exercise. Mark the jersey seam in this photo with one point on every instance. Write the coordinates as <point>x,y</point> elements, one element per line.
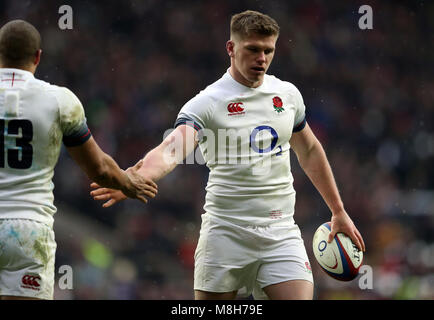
<point>214,108</point>
<point>58,107</point>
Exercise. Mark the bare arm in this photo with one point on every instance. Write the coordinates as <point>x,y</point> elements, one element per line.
<point>100,167</point>
<point>157,163</point>
<point>313,160</point>
<point>173,150</point>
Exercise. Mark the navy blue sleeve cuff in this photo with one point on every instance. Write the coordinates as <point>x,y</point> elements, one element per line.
<point>188,122</point>
<point>77,138</point>
<point>300,126</point>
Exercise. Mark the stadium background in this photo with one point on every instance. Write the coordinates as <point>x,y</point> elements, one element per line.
<point>369,97</point>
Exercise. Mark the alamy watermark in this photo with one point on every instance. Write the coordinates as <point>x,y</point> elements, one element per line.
<point>254,147</point>
<point>66,21</point>
<point>366,280</point>
<point>66,280</point>
<point>366,21</point>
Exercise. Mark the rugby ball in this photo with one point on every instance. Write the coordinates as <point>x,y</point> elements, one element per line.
<point>340,259</point>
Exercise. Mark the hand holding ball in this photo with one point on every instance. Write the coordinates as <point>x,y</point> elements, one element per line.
<point>340,259</point>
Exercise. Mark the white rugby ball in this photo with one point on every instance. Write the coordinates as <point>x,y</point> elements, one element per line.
<point>340,259</point>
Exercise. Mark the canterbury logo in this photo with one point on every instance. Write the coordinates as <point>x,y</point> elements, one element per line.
<point>235,108</point>
<point>30,282</point>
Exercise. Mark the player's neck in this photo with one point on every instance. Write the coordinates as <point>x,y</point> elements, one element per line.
<point>238,77</point>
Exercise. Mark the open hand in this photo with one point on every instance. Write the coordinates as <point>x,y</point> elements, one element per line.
<point>139,188</point>
<point>111,195</point>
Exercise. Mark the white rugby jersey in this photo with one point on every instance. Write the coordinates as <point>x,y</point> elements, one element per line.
<point>244,139</point>
<point>35,117</point>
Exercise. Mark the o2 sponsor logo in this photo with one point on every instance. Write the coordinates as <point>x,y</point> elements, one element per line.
<point>273,143</point>
<point>321,247</point>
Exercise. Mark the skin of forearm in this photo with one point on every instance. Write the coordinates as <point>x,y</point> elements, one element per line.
<point>163,159</point>
<point>156,165</point>
<point>317,168</point>
<point>109,175</point>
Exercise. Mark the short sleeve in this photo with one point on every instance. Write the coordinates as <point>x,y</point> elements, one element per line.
<point>196,113</point>
<point>72,118</point>
<point>300,110</point>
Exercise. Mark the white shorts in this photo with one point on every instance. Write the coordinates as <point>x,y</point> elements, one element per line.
<point>27,254</point>
<point>246,259</point>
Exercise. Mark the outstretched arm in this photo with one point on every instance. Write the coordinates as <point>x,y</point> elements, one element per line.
<point>156,164</point>
<point>313,160</point>
<point>172,151</point>
<point>100,167</point>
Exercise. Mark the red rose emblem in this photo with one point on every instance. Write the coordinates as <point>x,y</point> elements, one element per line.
<point>277,102</point>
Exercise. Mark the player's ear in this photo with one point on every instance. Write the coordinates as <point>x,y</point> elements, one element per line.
<point>230,44</point>
<point>37,58</point>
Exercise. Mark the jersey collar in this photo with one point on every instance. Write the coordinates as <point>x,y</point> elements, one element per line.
<point>261,88</point>
<point>19,73</point>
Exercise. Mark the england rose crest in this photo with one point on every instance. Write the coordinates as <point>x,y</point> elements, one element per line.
<point>278,104</point>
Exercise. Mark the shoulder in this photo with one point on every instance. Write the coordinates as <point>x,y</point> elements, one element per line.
<point>64,96</point>
<point>42,85</point>
<point>61,96</point>
<point>202,106</point>
<point>207,97</point>
<point>214,91</point>
<point>203,98</point>
<point>282,85</point>
<point>219,89</point>
<point>58,92</point>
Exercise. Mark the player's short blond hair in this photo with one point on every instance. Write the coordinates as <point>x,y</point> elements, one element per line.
<point>247,22</point>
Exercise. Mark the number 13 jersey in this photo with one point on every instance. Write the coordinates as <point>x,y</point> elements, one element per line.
<point>35,117</point>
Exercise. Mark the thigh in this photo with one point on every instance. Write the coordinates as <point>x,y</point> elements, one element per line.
<point>225,260</point>
<point>27,255</point>
<point>204,295</point>
<point>284,265</point>
<point>290,290</point>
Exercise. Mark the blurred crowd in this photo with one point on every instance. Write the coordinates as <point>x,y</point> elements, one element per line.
<point>369,97</point>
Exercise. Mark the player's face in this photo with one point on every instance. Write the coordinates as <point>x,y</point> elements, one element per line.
<point>250,58</point>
